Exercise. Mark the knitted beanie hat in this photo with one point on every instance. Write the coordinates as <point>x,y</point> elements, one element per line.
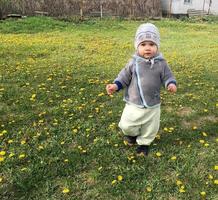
<point>147,32</point>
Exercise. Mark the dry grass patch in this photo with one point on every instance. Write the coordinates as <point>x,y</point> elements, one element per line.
<point>199,121</point>
<point>185,111</point>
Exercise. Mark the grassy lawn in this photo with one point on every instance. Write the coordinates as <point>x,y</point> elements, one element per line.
<point>59,137</point>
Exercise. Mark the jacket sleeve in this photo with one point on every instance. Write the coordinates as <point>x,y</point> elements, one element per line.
<point>167,76</point>
<point>125,75</point>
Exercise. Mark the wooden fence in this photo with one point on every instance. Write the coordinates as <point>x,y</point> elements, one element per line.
<point>60,8</point>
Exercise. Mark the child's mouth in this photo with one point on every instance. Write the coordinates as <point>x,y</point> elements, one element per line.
<point>147,55</point>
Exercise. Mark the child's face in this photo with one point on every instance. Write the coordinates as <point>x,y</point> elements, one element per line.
<point>147,49</point>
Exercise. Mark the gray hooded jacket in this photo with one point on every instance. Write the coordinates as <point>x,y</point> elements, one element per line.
<point>142,80</point>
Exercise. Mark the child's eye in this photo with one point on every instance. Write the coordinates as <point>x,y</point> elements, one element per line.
<point>147,43</point>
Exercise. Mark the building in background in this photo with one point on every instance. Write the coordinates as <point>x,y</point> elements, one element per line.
<point>181,7</point>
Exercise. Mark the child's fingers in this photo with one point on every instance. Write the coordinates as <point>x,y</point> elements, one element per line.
<point>171,88</point>
<point>109,89</point>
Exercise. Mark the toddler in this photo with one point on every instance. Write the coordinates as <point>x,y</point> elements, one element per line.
<point>142,79</point>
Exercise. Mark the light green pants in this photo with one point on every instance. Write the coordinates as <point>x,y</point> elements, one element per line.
<point>141,122</point>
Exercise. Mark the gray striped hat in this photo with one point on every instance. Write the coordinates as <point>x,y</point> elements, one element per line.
<point>147,32</point>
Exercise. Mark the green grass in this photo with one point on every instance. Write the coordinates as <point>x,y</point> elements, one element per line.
<point>55,112</point>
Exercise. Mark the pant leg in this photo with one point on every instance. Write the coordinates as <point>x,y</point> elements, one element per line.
<point>150,126</point>
<point>130,121</point>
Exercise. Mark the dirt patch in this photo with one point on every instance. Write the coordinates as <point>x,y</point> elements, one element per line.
<point>169,109</point>
<point>210,118</point>
<point>185,111</point>
<point>198,122</point>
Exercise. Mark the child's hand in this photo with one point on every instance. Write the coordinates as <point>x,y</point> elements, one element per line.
<point>172,88</point>
<point>111,88</point>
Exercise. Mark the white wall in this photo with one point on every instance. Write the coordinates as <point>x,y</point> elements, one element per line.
<point>214,7</point>
<point>179,7</point>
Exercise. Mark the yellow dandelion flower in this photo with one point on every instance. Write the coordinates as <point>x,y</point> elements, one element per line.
<point>181,190</point>
<point>97,110</point>
<point>216,167</point>
<point>165,129</point>
<point>65,190</point>
<point>194,128</point>
<point>148,189</point>
<point>82,89</point>
<point>204,134</point>
<point>66,160</point>
<point>206,145</point>
<point>84,151</point>
<point>130,157</point>
<point>158,154</point>
<point>23,142</point>
<point>157,137</point>
<point>101,94</point>
<point>2,159</point>
<point>125,142</point>
<point>171,128</point>
<point>11,155</point>
<point>2,153</point>
<point>203,193</point>
<point>21,156</point>
<point>33,97</point>
<point>1,179</point>
<point>216,182</point>
<point>3,132</point>
<point>75,130</point>
<point>178,182</point>
<point>40,121</point>
<point>113,182</point>
<point>202,141</point>
<point>119,178</point>
<point>173,158</point>
<point>210,176</point>
<point>10,141</point>
<point>40,147</point>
